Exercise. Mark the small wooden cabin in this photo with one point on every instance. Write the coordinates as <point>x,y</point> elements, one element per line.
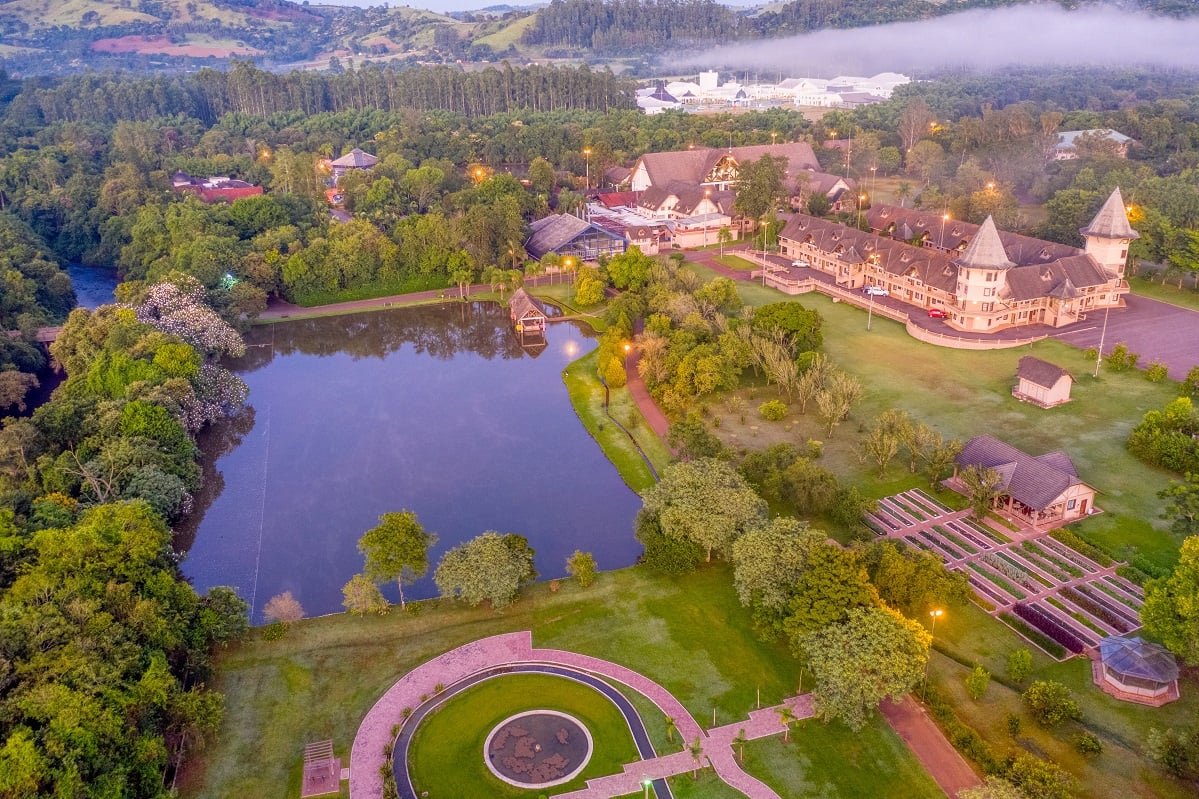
<point>1042,383</point>
<point>527,317</point>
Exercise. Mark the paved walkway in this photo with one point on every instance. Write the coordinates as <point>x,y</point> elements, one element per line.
<point>375,732</point>
<point>944,763</point>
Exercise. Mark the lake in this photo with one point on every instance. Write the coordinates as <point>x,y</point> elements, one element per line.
<point>432,409</point>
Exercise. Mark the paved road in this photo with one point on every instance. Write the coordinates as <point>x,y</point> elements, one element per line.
<point>1156,330</point>
<point>946,766</point>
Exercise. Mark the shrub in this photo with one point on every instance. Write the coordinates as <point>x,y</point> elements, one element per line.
<point>274,631</point>
<point>773,410</point>
<point>1014,723</point>
<point>1036,636</point>
<point>1050,703</point>
<point>1190,383</point>
<point>1088,744</point>
<point>1019,665</point>
<point>1050,626</point>
<point>581,566</point>
<point>1082,547</point>
<point>1157,372</point>
<point>1133,575</point>
<point>1120,359</point>
<point>976,682</point>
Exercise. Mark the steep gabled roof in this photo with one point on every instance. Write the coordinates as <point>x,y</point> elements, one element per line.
<point>985,250</point>
<point>1032,481</point>
<point>1112,220</point>
<point>524,306</point>
<point>692,166</point>
<point>1044,374</point>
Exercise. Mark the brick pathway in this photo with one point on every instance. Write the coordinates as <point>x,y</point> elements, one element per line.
<point>366,756</point>
<point>944,763</point>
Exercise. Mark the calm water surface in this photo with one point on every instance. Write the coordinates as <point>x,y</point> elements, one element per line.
<point>93,285</point>
<point>435,410</point>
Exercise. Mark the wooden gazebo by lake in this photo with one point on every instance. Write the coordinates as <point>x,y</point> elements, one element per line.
<point>527,316</point>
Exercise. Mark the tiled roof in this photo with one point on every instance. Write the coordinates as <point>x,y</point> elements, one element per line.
<point>692,166</point>
<point>356,159</point>
<point>1133,657</point>
<point>1062,279</point>
<point>1040,373</point>
<point>1032,481</point>
<point>1112,220</point>
<point>1022,250</point>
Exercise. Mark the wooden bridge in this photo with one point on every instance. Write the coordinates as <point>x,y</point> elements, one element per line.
<point>44,335</point>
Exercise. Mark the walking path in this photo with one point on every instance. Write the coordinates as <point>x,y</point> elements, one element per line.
<point>944,763</point>
<point>376,730</point>
<point>489,656</point>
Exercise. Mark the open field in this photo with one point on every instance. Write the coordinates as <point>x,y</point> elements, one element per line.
<point>965,393</point>
<point>507,36</point>
<point>319,680</point>
<point>1168,292</point>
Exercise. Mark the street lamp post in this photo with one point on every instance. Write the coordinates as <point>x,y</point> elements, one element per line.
<point>870,311</point>
<point>587,155</point>
<point>944,219</point>
<point>707,196</point>
<point>646,781</point>
<point>1102,336</point>
<point>861,200</point>
<point>935,614</point>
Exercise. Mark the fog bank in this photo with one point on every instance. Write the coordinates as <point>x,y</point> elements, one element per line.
<point>980,39</point>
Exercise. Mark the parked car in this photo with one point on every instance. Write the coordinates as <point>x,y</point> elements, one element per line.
<point>801,263</point>
<point>936,313</point>
<point>877,291</point>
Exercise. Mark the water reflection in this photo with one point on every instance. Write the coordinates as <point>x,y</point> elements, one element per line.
<point>434,409</point>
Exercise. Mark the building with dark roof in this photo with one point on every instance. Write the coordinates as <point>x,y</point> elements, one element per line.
<point>354,159</point>
<point>1042,383</point>
<point>1135,670</point>
<point>570,236</point>
<point>1042,489</point>
<point>984,279</point>
<point>1068,141</point>
<point>715,169</point>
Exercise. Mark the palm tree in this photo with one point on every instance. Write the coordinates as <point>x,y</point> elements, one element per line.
<point>740,742</point>
<point>903,191</point>
<point>670,729</point>
<point>697,750</point>
<point>786,716</point>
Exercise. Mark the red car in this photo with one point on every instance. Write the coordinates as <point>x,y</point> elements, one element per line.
<point>936,313</point>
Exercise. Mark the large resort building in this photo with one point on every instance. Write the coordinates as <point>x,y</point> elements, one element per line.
<point>982,279</point>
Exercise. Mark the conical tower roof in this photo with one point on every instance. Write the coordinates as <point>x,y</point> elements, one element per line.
<point>985,250</point>
<point>1112,220</point>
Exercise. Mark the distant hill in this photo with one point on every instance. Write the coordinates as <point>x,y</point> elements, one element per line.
<point>49,36</point>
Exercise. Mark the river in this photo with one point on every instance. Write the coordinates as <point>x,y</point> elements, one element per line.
<point>436,410</point>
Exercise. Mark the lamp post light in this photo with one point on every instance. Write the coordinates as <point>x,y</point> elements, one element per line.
<point>646,782</point>
<point>861,202</point>
<point>587,155</point>
<point>1102,336</point>
<point>935,614</point>
<point>773,137</point>
<point>944,219</point>
<point>708,197</point>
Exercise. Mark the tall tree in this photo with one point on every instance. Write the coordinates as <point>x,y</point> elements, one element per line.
<point>760,186</point>
<point>874,654</point>
<point>397,549</point>
<point>1171,609</point>
<point>705,501</point>
<point>490,567</point>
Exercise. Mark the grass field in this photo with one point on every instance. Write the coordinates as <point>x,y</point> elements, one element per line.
<point>509,35</point>
<point>1168,292</point>
<point>736,262</point>
<point>587,397</point>
<point>446,756</point>
<point>963,394</point>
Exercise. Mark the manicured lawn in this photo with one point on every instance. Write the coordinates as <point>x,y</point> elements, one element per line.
<point>833,762</point>
<point>690,634</point>
<point>587,397</point>
<point>446,757</point>
<point>1169,292</point>
<point>965,393</point>
<point>737,262</point>
<point>413,284</point>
